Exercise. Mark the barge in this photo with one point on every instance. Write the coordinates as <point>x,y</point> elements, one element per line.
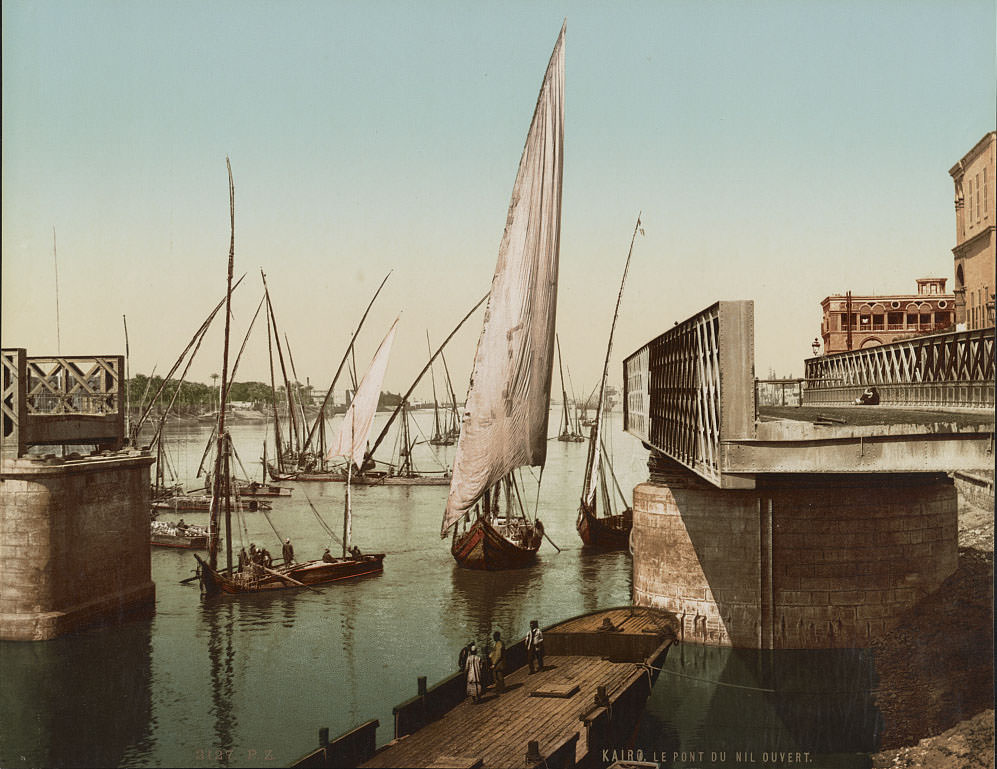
<point>599,669</point>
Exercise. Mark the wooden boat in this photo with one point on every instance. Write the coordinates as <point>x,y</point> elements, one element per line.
<point>254,489</point>
<point>253,576</point>
<point>201,503</point>
<point>508,402</point>
<point>605,517</point>
<point>568,433</point>
<point>599,671</point>
<point>184,537</point>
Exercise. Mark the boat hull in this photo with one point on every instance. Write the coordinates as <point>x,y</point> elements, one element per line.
<point>305,574</point>
<point>178,542</point>
<point>611,532</point>
<point>482,547</point>
<point>202,503</point>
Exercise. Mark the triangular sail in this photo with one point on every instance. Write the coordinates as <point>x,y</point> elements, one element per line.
<point>505,422</point>
<point>359,418</point>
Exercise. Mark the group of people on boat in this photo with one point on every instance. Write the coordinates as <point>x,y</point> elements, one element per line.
<point>257,558</point>
<point>354,552</point>
<point>482,672</point>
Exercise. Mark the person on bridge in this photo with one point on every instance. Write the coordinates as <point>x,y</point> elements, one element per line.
<point>498,662</point>
<point>535,647</point>
<point>472,667</point>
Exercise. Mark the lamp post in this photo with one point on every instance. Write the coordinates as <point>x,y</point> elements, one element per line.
<point>815,345</point>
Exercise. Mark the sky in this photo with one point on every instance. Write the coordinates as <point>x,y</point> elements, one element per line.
<point>778,151</point>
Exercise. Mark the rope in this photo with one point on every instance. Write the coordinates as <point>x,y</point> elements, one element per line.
<point>705,680</point>
<point>321,520</point>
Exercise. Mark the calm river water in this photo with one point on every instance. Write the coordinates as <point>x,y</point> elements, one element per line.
<point>249,681</point>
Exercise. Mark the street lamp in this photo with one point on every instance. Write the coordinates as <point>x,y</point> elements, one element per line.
<point>815,344</point>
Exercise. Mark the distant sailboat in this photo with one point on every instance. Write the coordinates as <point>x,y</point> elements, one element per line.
<point>505,420</point>
<point>601,523</point>
<point>568,431</point>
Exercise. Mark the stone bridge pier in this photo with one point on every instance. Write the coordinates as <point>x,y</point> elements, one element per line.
<point>799,562</point>
<point>810,526</point>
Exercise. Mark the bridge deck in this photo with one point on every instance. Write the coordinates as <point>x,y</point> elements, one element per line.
<point>877,415</point>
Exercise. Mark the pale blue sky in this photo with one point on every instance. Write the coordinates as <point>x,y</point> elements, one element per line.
<point>780,151</point>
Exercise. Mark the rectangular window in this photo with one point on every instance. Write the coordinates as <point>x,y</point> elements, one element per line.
<point>843,321</point>
<point>977,197</point>
<point>986,209</point>
<point>911,320</point>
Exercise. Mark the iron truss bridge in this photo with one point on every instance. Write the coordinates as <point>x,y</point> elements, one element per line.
<point>690,396</point>
<point>63,399</point>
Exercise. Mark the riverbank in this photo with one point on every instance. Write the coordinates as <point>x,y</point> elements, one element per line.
<point>941,656</point>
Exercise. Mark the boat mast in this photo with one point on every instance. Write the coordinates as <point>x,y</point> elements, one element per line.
<point>283,370</point>
<point>384,430</point>
<point>273,400</point>
<point>564,392</point>
<point>588,492</point>
<point>297,385</point>
<point>328,394</point>
<point>454,426</point>
<point>436,405</point>
<point>221,461</point>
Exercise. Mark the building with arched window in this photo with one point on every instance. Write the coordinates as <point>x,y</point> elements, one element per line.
<point>853,321</point>
<point>975,252</point>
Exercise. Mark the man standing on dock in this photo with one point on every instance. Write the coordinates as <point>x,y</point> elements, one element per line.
<point>535,647</point>
<point>473,668</point>
<point>498,662</point>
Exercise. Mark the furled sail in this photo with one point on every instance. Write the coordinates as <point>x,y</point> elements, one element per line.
<point>505,422</point>
<point>355,429</point>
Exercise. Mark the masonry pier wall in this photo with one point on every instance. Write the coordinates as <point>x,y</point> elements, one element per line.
<point>799,562</point>
<point>74,543</point>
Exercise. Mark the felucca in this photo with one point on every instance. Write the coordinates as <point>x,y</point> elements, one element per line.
<point>606,525</point>
<point>505,421</point>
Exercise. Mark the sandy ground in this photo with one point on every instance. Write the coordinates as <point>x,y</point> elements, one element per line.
<point>951,635</point>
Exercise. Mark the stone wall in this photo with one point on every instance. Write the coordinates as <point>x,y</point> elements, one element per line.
<point>801,562</point>
<point>74,543</point>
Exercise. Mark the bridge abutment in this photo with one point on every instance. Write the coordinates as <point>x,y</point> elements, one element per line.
<point>74,543</point>
<point>800,562</point>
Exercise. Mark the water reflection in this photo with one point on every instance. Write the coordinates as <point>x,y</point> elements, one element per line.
<point>485,601</point>
<point>741,701</point>
<point>81,700</point>
<point>219,619</point>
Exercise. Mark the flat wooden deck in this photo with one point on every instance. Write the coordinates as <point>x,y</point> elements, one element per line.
<point>497,730</point>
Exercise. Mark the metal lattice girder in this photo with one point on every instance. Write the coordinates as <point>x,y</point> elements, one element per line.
<point>74,385</point>
<point>954,363</point>
<point>693,387</point>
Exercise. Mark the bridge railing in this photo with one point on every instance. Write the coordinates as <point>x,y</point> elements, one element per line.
<point>954,369</point>
<point>61,399</point>
<point>693,387</point>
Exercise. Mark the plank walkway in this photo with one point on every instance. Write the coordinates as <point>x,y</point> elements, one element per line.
<point>878,415</point>
<point>498,729</point>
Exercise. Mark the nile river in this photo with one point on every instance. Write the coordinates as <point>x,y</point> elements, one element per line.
<point>249,681</point>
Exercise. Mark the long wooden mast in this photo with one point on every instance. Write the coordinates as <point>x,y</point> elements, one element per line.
<point>384,430</point>
<point>221,462</point>
<point>328,394</point>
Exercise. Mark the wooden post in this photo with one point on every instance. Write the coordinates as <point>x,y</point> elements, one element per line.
<point>421,684</point>
<point>533,753</point>
<point>323,737</point>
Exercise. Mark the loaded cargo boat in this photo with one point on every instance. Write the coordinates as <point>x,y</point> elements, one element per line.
<point>598,671</point>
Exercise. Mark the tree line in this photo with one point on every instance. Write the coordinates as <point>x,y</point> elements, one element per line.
<point>198,398</point>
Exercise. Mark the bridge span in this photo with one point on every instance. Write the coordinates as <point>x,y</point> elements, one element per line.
<point>807,526</point>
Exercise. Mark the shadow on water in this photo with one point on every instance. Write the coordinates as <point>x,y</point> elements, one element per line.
<point>931,671</point>
<point>81,700</point>
<point>743,705</point>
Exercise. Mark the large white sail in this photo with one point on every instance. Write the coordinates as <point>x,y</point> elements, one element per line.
<point>355,429</point>
<point>505,421</point>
